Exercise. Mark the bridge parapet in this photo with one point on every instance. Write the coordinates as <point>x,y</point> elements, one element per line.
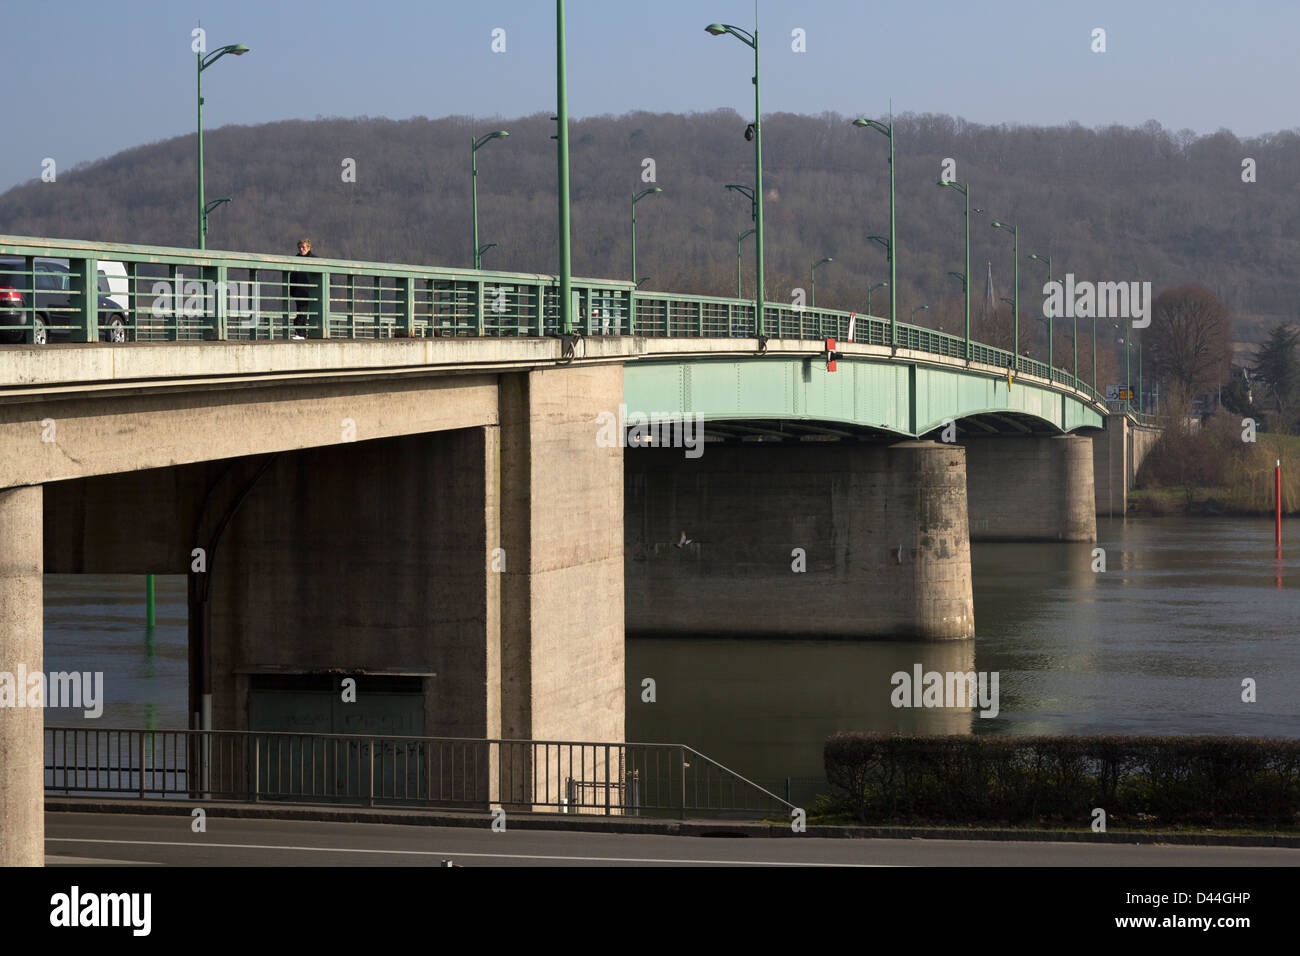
<point>175,294</point>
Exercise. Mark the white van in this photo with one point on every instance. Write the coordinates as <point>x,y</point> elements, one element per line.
<point>112,282</point>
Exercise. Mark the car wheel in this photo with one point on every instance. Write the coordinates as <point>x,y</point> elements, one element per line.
<point>40,336</point>
<point>115,329</point>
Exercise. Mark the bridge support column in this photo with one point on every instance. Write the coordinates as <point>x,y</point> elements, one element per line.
<point>561,493</point>
<point>1031,488</point>
<point>22,745</point>
<point>820,539</point>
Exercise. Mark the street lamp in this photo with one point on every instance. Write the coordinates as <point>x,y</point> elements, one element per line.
<point>475,146</point>
<point>821,261</point>
<point>482,249</point>
<point>919,308</point>
<point>1015,232</point>
<point>636,198</point>
<point>741,237</point>
<point>641,281</point>
<point>238,49</point>
<point>964,189</point>
<point>1050,326</point>
<point>751,39</point>
<point>888,131</point>
<point>878,285</point>
<point>1128,371</point>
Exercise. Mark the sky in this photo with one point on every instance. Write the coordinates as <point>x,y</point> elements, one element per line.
<point>88,79</point>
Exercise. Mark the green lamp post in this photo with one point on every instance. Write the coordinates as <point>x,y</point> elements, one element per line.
<point>562,176</point>
<point>964,189</point>
<point>1015,307</point>
<point>1051,328</point>
<point>1128,369</point>
<point>636,198</point>
<point>751,39</point>
<point>475,146</point>
<point>813,296</point>
<point>888,131</point>
<point>237,49</point>
<point>919,308</point>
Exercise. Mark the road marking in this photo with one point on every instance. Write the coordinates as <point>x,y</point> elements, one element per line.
<point>451,853</point>
<point>52,860</point>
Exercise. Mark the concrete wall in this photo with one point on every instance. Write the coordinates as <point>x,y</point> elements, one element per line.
<point>1030,488</point>
<point>883,532</point>
<point>366,557</point>
<point>1118,453</point>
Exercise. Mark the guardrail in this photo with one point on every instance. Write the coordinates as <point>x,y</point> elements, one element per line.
<point>624,779</point>
<point>170,294</point>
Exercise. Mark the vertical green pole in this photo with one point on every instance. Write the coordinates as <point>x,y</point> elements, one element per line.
<point>1094,353</point>
<point>1076,349</point>
<point>1128,372</point>
<point>633,239</point>
<point>150,616</point>
<point>1015,298</point>
<point>1050,327</point>
<point>759,326</point>
<point>893,244</point>
<point>473,172</point>
<point>1140,408</point>
<point>967,273</point>
<point>562,139</point>
<point>202,213</point>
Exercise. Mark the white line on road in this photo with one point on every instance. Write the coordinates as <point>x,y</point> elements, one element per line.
<point>450,853</point>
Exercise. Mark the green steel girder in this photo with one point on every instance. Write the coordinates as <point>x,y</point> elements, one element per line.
<point>906,398</point>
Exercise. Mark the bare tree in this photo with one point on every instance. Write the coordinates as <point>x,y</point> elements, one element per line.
<point>1189,343</point>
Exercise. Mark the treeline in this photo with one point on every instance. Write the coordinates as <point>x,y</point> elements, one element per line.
<point>1107,204</point>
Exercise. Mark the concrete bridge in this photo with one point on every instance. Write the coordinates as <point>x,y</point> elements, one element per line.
<point>441,489</point>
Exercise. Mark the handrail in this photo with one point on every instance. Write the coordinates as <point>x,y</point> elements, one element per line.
<point>611,778</point>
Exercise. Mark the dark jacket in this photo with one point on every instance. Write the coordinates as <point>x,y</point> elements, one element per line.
<point>301,282</point>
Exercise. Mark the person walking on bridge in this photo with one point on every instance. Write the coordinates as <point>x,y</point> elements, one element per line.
<point>300,290</point>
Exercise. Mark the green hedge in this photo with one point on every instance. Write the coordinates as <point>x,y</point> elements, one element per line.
<point>1139,781</point>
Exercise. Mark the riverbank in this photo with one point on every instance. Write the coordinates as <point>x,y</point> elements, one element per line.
<point>1215,473</point>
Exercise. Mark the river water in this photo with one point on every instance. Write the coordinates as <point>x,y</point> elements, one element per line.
<point>1158,643</point>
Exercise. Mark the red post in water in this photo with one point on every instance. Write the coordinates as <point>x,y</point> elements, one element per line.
<point>1277,516</point>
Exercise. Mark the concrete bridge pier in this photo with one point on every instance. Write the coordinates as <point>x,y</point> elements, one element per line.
<point>22,746</point>
<point>1030,488</point>
<point>844,539</point>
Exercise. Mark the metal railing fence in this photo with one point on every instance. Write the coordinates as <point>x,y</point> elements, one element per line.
<point>171,294</point>
<point>626,779</point>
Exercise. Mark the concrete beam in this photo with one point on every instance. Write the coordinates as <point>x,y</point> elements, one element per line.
<point>80,437</point>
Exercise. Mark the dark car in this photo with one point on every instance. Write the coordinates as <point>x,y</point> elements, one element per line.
<point>54,303</point>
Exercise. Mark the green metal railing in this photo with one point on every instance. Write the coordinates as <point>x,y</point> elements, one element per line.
<point>202,295</point>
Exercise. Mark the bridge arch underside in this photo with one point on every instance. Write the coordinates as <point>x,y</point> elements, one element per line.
<point>810,507</point>
<point>794,397</point>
